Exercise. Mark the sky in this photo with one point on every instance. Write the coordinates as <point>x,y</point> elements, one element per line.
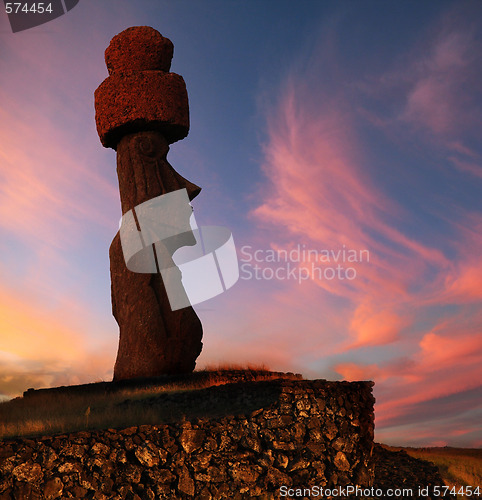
<point>339,141</point>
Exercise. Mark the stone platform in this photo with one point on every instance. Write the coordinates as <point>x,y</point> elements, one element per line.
<point>262,435</point>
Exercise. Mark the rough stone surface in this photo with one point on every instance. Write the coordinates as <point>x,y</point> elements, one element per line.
<point>53,488</point>
<point>140,110</point>
<point>398,470</point>
<point>143,100</point>
<point>139,48</point>
<point>237,456</point>
<point>139,93</point>
<point>153,339</point>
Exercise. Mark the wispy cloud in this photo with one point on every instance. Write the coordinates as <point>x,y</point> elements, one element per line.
<point>47,194</point>
<point>439,95</point>
<point>414,301</point>
<point>441,380</point>
<point>318,191</point>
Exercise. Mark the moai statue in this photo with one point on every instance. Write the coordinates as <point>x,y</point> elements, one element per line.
<point>141,108</point>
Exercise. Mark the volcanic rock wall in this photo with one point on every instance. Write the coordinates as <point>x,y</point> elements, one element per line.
<point>306,433</point>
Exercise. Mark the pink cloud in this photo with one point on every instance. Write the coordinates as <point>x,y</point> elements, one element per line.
<point>460,148</point>
<point>374,326</point>
<point>445,433</point>
<point>53,188</point>
<point>428,105</point>
<point>353,371</point>
<point>463,281</point>
<point>47,194</point>
<point>446,363</point>
<point>465,285</point>
<point>437,98</point>
<point>431,90</point>
<point>319,192</point>
<point>451,52</point>
<point>448,349</point>
<point>469,167</point>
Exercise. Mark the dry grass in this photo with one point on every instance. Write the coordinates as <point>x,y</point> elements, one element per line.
<point>226,367</point>
<point>148,402</point>
<point>457,466</point>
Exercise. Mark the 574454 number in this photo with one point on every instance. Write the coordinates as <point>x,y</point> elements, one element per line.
<point>34,8</point>
<point>464,491</point>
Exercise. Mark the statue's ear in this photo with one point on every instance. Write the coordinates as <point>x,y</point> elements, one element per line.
<point>151,143</point>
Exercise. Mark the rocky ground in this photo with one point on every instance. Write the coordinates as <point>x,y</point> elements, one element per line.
<point>270,434</point>
<point>393,469</point>
<point>397,469</point>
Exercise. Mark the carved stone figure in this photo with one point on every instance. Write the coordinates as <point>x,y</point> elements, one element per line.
<point>141,108</point>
